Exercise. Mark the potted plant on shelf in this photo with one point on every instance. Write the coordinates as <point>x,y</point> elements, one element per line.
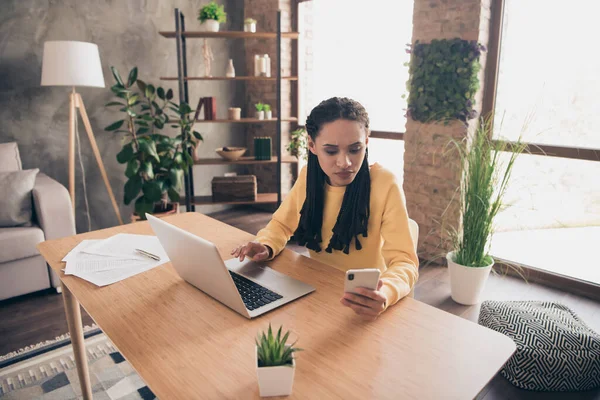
<point>483,184</point>
<point>268,113</point>
<point>298,145</point>
<point>250,25</point>
<point>211,15</point>
<point>155,162</point>
<point>275,363</point>
<point>260,110</point>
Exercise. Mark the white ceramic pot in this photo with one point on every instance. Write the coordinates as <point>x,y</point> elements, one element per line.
<point>211,25</point>
<point>269,114</point>
<point>250,27</point>
<point>260,115</point>
<point>275,381</point>
<point>467,283</point>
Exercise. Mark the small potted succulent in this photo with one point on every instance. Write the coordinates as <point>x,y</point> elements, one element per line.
<point>268,112</point>
<point>211,15</point>
<point>260,110</point>
<point>250,25</point>
<point>275,363</point>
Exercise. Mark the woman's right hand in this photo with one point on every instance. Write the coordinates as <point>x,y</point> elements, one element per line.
<point>256,251</point>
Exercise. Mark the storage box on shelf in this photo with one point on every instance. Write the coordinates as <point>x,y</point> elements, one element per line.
<point>181,35</point>
<point>234,188</point>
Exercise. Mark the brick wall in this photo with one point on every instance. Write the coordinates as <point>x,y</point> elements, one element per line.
<point>265,13</point>
<point>431,171</point>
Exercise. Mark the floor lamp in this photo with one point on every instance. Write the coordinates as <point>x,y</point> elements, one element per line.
<point>70,63</point>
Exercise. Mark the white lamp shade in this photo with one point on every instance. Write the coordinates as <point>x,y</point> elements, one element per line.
<point>68,63</point>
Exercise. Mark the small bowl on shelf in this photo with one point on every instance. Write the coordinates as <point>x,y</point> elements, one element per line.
<point>231,153</point>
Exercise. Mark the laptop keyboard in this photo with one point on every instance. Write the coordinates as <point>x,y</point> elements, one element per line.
<point>253,294</point>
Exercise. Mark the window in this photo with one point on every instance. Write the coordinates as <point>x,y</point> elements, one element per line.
<point>362,57</point>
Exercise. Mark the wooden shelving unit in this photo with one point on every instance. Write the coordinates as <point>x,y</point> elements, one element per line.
<point>244,161</point>
<point>231,35</point>
<point>226,78</point>
<point>262,198</point>
<point>181,35</point>
<point>245,121</point>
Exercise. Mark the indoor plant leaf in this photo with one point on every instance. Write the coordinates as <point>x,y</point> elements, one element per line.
<point>132,76</point>
<point>148,170</point>
<point>143,206</point>
<point>152,191</point>
<point>125,154</point>
<point>114,126</point>
<point>149,147</point>
<point>117,76</point>
<point>132,189</point>
<point>132,169</point>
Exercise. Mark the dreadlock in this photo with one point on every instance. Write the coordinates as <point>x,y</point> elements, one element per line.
<point>353,217</point>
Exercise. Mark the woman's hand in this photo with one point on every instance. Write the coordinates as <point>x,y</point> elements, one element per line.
<point>254,250</point>
<point>367,303</point>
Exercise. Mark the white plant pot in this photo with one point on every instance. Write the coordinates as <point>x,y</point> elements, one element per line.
<point>211,25</point>
<point>269,114</point>
<point>260,115</point>
<point>250,27</point>
<point>467,283</point>
<point>275,381</point>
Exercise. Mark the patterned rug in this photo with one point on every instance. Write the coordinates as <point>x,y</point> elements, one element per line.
<point>47,371</point>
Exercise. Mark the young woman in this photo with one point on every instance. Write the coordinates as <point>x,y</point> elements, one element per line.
<point>348,215</point>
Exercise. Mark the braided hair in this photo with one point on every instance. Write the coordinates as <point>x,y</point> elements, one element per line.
<point>353,217</point>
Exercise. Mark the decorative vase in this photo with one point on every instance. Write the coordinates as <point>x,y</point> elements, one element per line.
<point>230,73</point>
<point>250,27</point>
<point>275,381</point>
<point>211,25</point>
<point>260,115</point>
<point>467,283</point>
<point>268,114</point>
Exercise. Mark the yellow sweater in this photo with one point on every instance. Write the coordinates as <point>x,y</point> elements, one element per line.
<point>388,247</point>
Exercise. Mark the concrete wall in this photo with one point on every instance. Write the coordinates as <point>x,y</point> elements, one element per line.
<point>127,35</point>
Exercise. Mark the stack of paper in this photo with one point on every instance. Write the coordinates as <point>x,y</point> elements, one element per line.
<point>111,260</point>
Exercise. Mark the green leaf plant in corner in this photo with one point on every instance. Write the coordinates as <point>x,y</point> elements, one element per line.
<point>272,350</point>
<point>155,163</point>
<point>298,145</point>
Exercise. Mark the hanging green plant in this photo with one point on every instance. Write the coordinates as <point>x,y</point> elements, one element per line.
<point>443,80</point>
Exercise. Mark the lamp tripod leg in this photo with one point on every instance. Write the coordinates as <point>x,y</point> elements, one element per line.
<point>72,102</point>
<point>90,133</point>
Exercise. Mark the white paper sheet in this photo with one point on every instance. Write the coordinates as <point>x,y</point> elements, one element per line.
<point>123,245</point>
<point>86,264</point>
<point>103,262</point>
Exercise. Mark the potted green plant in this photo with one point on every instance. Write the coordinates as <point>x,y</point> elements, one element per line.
<point>211,15</point>
<point>260,110</point>
<point>298,145</point>
<point>483,184</point>
<point>268,113</point>
<point>155,163</point>
<point>250,25</point>
<point>275,363</point>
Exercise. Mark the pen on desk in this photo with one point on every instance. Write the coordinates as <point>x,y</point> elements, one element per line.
<point>150,255</point>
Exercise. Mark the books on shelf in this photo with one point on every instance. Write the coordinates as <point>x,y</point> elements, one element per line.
<point>210,108</point>
<point>262,148</point>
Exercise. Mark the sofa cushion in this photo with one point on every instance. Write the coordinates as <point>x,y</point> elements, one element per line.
<point>556,351</point>
<point>15,202</point>
<point>19,242</point>
<point>10,160</point>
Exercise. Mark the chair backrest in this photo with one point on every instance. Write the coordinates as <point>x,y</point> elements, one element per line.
<point>10,160</point>
<point>414,233</point>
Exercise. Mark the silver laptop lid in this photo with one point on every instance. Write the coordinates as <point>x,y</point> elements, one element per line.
<point>198,262</point>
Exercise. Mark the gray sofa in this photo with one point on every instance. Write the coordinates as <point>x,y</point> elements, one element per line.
<point>22,269</point>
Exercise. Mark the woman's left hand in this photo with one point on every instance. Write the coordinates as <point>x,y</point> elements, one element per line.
<point>367,303</point>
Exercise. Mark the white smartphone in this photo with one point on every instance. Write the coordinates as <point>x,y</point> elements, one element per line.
<point>366,278</point>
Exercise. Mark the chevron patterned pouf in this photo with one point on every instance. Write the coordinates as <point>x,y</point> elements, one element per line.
<point>556,351</point>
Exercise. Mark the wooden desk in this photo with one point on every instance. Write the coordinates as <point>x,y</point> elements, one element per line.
<point>185,345</point>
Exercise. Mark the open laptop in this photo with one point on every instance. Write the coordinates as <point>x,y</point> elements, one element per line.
<point>247,287</point>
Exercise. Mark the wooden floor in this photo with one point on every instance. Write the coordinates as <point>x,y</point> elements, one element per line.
<point>34,318</point>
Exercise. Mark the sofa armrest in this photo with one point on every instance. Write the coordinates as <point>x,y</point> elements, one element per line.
<point>53,208</point>
<point>53,212</point>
